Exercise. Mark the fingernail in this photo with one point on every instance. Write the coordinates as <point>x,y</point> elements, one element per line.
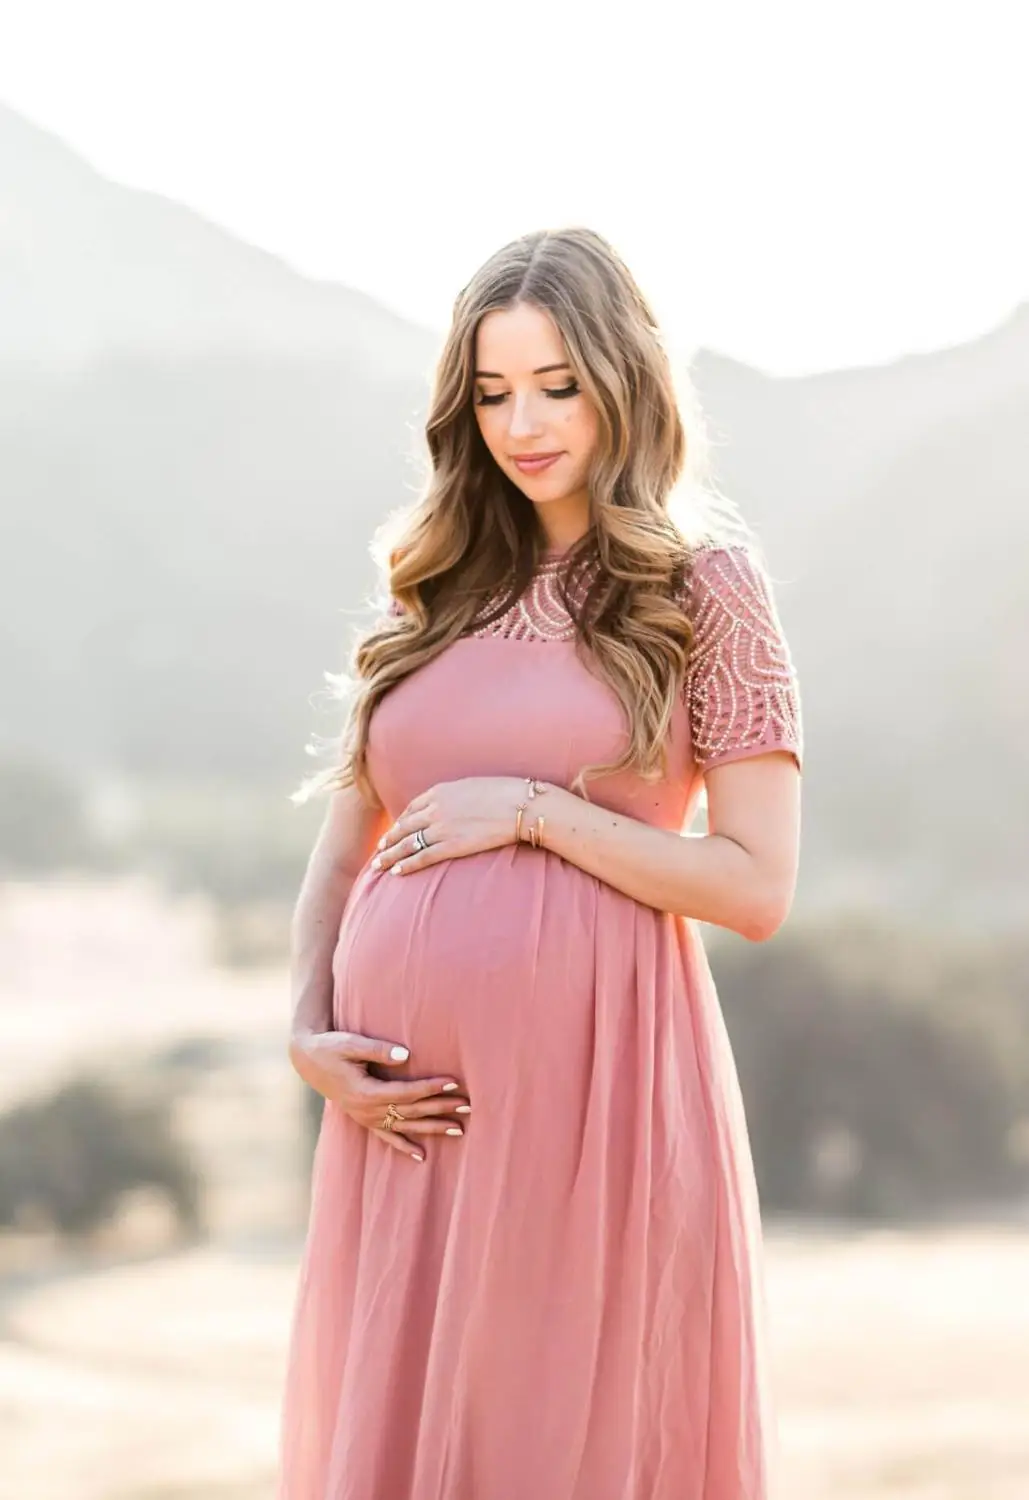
<point>454,1130</point>
<point>463,1109</point>
<point>399,1054</point>
<point>417,1156</point>
<point>394,869</point>
<point>376,863</point>
<point>382,843</point>
<point>448,1088</point>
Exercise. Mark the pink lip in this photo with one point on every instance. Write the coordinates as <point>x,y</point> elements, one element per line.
<point>533,463</point>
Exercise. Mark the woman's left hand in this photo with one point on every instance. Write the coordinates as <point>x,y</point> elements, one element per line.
<point>458,818</point>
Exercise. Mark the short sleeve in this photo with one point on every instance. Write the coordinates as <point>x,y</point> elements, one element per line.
<point>741,686</point>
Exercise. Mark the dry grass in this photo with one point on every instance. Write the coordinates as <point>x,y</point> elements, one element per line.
<point>900,1362</point>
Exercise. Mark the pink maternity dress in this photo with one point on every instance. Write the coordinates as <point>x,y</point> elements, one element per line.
<point>567,1303</point>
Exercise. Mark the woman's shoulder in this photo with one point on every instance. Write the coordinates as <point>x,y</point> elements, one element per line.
<point>728,574</point>
<point>742,682</point>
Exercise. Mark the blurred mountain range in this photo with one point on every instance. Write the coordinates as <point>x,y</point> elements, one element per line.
<point>196,443</point>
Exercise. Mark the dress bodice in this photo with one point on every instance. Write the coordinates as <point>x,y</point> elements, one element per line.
<point>512,696</point>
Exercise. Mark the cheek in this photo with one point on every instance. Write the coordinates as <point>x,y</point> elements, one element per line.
<point>491,426</point>
<point>582,429</point>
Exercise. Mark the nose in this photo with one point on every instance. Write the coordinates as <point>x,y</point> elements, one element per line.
<point>525,416</point>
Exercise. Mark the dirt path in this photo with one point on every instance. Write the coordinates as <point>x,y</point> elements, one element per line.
<point>900,1360</point>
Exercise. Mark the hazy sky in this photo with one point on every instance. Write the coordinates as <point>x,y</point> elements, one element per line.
<point>801,185</point>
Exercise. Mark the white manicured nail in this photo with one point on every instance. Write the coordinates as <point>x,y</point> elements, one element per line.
<point>448,1088</point>
<point>454,1130</point>
<point>463,1109</point>
<point>399,1054</point>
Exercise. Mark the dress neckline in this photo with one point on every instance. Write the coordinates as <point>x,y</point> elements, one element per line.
<point>552,554</point>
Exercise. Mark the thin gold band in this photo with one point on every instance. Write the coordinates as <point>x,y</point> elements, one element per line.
<point>536,789</point>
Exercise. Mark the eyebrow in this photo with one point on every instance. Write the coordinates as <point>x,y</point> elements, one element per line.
<point>543,370</point>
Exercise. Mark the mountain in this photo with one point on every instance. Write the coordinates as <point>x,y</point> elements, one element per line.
<point>894,502</point>
<point>196,443</point>
<point>92,272</point>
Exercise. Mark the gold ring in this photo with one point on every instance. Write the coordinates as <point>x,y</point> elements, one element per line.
<point>392,1116</point>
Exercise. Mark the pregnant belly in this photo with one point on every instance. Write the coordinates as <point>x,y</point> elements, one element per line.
<point>557,1002</point>
<point>480,963</point>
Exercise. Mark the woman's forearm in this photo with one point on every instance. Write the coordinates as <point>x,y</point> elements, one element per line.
<point>708,877</point>
<point>314,931</point>
<point>739,875</point>
<point>344,842</point>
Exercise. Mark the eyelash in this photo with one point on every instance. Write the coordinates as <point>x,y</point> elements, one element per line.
<point>561,394</point>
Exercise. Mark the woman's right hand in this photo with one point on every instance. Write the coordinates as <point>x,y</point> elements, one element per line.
<point>335,1064</point>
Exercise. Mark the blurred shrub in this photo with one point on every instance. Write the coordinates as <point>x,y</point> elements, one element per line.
<point>43,825</point>
<point>885,1073</point>
<point>251,934</point>
<point>189,1057</point>
<point>240,842</point>
<point>67,1159</point>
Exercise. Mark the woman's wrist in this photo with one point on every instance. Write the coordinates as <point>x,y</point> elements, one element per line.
<point>299,1053</point>
<point>528,823</point>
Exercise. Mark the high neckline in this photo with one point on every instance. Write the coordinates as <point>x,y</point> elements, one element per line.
<point>551,553</point>
<point>551,559</point>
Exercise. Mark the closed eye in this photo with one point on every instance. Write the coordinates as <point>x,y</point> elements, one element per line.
<point>561,393</point>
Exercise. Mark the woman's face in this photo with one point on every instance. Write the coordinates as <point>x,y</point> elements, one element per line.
<point>527,404</point>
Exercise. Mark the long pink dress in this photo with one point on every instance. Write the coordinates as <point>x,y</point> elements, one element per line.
<point>568,1303</point>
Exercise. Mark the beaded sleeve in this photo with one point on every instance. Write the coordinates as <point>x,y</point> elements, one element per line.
<point>741,686</point>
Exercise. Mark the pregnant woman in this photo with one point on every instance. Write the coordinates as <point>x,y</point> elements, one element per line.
<point>533,1263</point>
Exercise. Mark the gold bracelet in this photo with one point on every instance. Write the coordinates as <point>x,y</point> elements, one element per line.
<point>536,789</point>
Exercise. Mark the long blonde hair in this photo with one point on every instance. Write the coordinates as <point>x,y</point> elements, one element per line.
<point>473,534</point>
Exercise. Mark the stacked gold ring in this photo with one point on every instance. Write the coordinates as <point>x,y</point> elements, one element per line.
<point>392,1116</point>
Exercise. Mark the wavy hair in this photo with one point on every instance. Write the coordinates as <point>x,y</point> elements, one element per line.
<point>473,535</point>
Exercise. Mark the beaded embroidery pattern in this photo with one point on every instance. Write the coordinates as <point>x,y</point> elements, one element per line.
<point>740,684</point>
<point>540,613</point>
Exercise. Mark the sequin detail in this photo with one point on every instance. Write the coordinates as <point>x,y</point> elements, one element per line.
<point>741,687</point>
<point>540,613</point>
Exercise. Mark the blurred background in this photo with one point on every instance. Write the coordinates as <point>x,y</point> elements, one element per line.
<point>230,236</point>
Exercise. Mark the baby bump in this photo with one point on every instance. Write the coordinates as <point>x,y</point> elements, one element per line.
<point>556,1001</point>
<point>483,964</point>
